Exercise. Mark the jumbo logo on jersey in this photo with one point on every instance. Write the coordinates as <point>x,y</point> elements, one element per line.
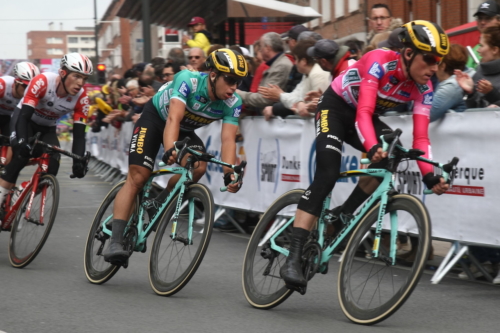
<point>376,70</point>
<point>268,163</point>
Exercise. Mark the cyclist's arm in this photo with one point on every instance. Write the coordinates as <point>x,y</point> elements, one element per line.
<point>175,115</point>
<point>79,124</point>
<point>228,144</point>
<point>34,92</point>
<point>421,119</point>
<point>364,114</point>
<point>3,88</point>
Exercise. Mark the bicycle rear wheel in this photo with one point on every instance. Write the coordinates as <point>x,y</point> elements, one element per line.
<point>97,270</point>
<point>173,263</point>
<point>262,284</point>
<point>372,289</point>
<point>28,234</point>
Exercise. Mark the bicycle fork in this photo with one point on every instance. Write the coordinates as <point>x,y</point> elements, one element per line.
<point>378,232</point>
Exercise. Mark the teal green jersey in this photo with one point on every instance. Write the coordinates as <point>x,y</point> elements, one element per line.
<point>191,88</point>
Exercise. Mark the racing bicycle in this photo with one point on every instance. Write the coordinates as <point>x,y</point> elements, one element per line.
<point>183,225</point>
<point>371,284</point>
<point>29,211</point>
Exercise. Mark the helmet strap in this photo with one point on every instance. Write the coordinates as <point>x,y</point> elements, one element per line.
<point>409,62</point>
<point>212,85</point>
<point>63,80</point>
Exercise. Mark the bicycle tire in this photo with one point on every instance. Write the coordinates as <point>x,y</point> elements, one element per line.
<point>20,255</point>
<point>97,270</point>
<point>162,283</point>
<point>253,294</point>
<point>410,207</point>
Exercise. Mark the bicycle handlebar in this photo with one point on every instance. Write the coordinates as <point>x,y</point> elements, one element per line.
<point>239,171</point>
<point>389,143</point>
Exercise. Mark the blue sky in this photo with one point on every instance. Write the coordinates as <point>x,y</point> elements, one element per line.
<point>20,16</point>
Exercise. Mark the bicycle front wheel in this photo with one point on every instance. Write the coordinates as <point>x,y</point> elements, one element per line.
<point>372,289</point>
<point>29,232</point>
<point>173,262</point>
<point>262,284</point>
<point>97,270</point>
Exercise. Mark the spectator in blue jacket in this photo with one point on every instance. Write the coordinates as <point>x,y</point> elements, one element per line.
<point>449,95</point>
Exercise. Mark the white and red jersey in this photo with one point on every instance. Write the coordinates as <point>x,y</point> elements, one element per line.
<point>41,95</point>
<point>7,101</point>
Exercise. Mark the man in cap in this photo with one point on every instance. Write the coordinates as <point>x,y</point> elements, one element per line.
<point>487,15</point>
<point>292,35</point>
<point>330,56</point>
<point>202,38</point>
<point>393,42</point>
<point>291,38</point>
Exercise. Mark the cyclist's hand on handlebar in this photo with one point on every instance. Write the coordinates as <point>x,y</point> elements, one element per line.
<point>435,183</point>
<point>376,154</point>
<point>170,156</point>
<point>79,169</point>
<point>441,187</point>
<point>232,188</point>
<point>24,148</point>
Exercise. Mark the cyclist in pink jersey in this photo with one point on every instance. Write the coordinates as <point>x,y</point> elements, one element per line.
<point>48,97</point>
<point>349,112</point>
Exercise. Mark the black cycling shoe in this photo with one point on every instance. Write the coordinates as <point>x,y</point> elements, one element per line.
<point>116,255</point>
<point>292,274</point>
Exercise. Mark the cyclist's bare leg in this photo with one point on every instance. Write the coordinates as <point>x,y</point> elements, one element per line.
<point>304,220</point>
<point>125,198</point>
<point>123,206</point>
<point>198,172</point>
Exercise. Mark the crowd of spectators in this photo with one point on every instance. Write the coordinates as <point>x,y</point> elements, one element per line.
<point>289,72</point>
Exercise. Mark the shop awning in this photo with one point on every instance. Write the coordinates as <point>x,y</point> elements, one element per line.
<point>258,9</point>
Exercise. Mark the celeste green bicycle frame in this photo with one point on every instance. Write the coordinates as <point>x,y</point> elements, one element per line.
<point>143,231</point>
<point>381,194</point>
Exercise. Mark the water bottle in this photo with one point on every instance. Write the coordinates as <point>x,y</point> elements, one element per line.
<point>18,191</point>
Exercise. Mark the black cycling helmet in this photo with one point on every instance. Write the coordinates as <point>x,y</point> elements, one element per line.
<point>227,61</point>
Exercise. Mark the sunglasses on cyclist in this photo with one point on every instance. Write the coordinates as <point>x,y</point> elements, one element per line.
<point>231,80</point>
<point>431,59</point>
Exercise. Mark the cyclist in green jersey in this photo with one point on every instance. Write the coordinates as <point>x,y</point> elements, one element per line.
<point>190,101</point>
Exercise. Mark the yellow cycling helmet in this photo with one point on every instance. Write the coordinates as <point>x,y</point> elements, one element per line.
<point>227,61</point>
<point>426,37</point>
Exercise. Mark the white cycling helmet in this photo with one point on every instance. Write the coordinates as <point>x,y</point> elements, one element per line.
<point>76,62</point>
<point>25,72</point>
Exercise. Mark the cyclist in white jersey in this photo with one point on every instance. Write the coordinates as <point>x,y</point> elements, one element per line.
<point>11,91</point>
<point>48,97</point>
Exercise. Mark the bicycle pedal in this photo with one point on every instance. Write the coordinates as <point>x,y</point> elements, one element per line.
<point>300,290</point>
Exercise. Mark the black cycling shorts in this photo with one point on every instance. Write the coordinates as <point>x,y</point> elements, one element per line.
<point>5,124</point>
<point>147,138</point>
<point>335,124</point>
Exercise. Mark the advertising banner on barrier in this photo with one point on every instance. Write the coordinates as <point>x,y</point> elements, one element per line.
<point>281,156</point>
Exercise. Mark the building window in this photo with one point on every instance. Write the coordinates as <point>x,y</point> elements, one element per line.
<point>87,39</point>
<point>326,10</point>
<point>29,52</point>
<point>29,41</point>
<point>72,40</point>
<point>87,50</point>
<point>54,51</point>
<point>54,40</point>
<point>353,5</point>
<point>339,8</point>
<point>73,49</point>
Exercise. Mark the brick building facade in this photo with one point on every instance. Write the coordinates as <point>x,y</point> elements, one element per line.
<point>53,44</point>
<point>342,19</point>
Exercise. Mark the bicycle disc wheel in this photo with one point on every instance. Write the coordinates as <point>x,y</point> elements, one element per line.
<point>262,284</point>
<point>28,234</point>
<point>173,263</point>
<point>372,289</point>
<point>97,270</point>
